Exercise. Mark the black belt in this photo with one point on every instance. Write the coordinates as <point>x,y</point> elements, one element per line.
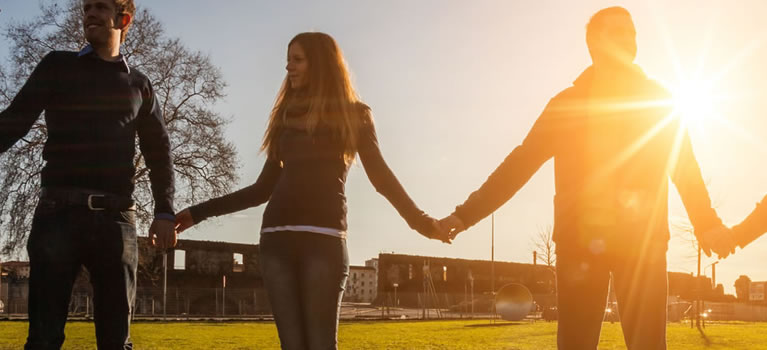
<point>93,200</point>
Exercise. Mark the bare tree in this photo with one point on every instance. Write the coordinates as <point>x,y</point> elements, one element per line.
<point>186,83</point>
<point>682,230</point>
<point>543,244</point>
<point>150,266</point>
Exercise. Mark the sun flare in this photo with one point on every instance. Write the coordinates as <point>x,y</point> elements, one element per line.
<point>695,101</point>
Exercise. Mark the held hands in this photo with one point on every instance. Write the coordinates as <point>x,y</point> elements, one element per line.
<point>433,230</point>
<point>451,226</point>
<point>444,230</point>
<point>163,233</point>
<point>720,240</point>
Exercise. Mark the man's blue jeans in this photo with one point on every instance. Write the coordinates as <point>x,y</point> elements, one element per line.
<point>305,275</point>
<point>63,239</point>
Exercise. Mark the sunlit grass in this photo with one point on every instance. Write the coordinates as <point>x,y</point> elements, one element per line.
<point>475,334</point>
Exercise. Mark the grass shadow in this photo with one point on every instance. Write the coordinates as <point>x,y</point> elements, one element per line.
<point>704,336</point>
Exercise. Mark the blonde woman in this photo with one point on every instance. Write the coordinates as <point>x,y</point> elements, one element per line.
<point>317,126</point>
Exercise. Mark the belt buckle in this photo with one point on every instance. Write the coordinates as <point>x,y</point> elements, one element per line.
<point>90,201</point>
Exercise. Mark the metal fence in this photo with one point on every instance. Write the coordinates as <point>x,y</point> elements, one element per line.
<point>202,302</point>
<point>153,302</point>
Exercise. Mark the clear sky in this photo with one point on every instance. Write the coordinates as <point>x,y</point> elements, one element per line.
<point>456,85</point>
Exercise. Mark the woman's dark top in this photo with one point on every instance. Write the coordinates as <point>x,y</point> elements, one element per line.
<point>306,185</point>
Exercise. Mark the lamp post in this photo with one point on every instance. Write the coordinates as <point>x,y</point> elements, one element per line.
<point>492,261</point>
<point>2,303</point>
<point>699,301</point>
<point>707,313</point>
<point>164,283</point>
<point>471,286</point>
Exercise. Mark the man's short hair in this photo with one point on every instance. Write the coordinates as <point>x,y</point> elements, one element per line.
<point>596,23</point>
<point>125,7</point>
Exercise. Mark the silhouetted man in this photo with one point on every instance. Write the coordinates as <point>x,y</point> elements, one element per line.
<point>95,104</point>
<point>614,144</point>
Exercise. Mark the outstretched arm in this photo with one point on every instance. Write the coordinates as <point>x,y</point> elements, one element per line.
<point>154,143</point>
<point>539,145</point>
<point>385,183</point>
<point>686,176</point>
<point>248,197</point>
<point>753,227</point>
<point>155,147</point>
<point>17,119</point>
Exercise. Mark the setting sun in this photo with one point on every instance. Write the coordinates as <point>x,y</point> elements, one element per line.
<point>694,101</point>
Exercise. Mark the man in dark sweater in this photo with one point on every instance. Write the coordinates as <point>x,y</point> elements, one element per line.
<point>95,104</point>
<point>615,142</point>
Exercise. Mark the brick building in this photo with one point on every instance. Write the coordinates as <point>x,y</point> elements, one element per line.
<point>203,278</point>
<point>14,286</point>
<point>454,280</point>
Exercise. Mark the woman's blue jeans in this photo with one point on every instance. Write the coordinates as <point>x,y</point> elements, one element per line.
<point>305,274</point>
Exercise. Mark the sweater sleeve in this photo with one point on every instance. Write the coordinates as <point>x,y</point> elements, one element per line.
<point>384,180</point>
<point>753,227</point>
<point>29,102</point>
<point>539,145</point>
<point>155,147</point>
<point>248,197</point>
<point>689,182</point>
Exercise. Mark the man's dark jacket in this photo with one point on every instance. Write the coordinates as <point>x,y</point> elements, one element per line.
<point>615,144</point>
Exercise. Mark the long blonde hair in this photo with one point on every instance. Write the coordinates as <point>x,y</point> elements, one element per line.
<point>332,98</point>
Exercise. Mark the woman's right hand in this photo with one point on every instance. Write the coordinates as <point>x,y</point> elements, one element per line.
<point>184,220</point>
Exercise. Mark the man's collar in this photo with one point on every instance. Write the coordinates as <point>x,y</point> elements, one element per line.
<point>88,50</point>
<point>632,71</point>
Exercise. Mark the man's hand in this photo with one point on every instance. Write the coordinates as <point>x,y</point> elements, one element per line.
<point>162,234</point>
<point>438,233</point>
<point>433,231</point>
<point>184,220</point>
<point>451,226</point>
<point>720,240</point>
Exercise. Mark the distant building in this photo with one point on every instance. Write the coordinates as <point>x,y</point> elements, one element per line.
<point>14,286</point>
<point>204,278</point>
<point>196,271</point>
<point>372,263</point>
<point>686,287</point>
<point>219,278</point>
<point>361,286</point>
<point>17,269</point>
<point>449,282</point>
<point>756,292</point>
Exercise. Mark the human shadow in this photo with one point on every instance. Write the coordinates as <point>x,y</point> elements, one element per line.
<point>703,335</point>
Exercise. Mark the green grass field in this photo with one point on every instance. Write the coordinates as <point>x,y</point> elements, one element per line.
<point>475,334</point>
